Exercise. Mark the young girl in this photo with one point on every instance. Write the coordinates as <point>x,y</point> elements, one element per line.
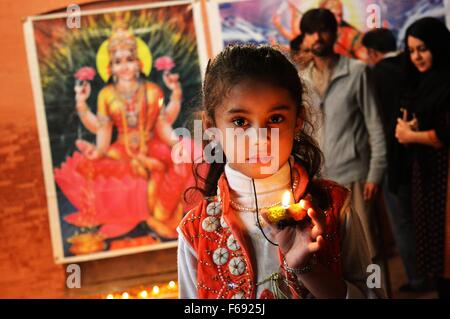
<point>227,247</point>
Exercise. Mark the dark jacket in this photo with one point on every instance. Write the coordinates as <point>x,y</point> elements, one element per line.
<point>388,81</point>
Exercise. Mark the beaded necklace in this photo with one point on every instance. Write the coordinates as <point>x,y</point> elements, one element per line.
<point>140,95</point>
<point>245,209</point>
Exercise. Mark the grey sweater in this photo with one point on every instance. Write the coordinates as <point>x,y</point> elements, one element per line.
<point>351,133</point>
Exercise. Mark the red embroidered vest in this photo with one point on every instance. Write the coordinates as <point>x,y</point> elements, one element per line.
<point>214,231</point>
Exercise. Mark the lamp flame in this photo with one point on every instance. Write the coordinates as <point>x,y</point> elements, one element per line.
<point>286,199</point>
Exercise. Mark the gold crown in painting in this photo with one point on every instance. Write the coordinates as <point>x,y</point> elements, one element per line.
<point>121,38</point>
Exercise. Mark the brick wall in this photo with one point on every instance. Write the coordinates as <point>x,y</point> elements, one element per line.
<point>27,269</point>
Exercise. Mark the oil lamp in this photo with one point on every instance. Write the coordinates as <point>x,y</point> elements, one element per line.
<point>286,211</point>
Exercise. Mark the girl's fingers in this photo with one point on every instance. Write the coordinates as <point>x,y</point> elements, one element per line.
<point>313,247</point>
<point>315,232</point>
<point>316,219</point>
<point>317,245</point>
<point>305,204</point>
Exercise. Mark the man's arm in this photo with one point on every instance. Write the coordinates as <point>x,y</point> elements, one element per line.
<point>372,119</point>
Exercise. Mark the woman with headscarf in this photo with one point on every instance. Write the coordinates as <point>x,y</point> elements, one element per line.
<point>426,132</point>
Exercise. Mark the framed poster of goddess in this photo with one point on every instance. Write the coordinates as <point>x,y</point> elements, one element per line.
<point>109,89</point>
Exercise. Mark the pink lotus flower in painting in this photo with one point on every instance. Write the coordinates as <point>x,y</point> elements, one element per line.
<point>164,63</point>
<point>85,73</point>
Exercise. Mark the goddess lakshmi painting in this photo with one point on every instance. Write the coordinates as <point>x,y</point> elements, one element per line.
<point>118,187</point>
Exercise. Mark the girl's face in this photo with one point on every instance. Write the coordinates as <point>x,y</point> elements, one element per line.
<point>124,65</point>
<point>419,54</point>
<point>252,105</point>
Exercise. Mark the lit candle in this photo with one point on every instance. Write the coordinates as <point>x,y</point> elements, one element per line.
<point>125,295</point>
<point>155,290</point>
<point>143,294</point>
<point>161,103</point>
<point>110,296</point>
<point>172,285</point>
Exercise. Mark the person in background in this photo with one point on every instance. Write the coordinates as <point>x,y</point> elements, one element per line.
<point>348,42</point>
<point>349,38</point>
<point>427,42</point>
<point>351,134</point>
<point>388,78</point>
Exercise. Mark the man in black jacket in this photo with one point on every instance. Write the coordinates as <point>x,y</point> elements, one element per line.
<point>387,78</point>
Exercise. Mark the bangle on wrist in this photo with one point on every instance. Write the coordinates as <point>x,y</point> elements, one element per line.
<point>176,97</point>
<point>82,113</point>
<point>303,270</point>
<point>103,120</point>
<point>83,110</point>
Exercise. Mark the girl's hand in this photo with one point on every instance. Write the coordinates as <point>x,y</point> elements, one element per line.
<point>171,80</point>
<point>82,91</point>
<point>299,243</point>
<point>89,150</point>
<point>404,132</point>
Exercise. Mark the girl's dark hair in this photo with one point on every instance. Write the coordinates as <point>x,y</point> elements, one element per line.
<point>436,37</point>
<point>235,64</point>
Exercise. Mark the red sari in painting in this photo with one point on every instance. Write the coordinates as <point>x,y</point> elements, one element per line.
<point>117,192</point>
